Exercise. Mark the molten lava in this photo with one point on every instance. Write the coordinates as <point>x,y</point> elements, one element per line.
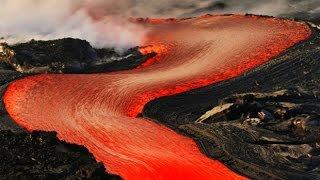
<point>98,111</point>
<point>160,50</point>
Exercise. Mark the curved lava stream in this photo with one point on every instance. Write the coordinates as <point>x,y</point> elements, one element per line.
<point>98,110</point>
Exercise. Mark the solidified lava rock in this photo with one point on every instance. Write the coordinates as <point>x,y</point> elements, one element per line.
<point>66,56</point>
<point>279,131</point>
<point>40,155</point>
<point>271,133</point>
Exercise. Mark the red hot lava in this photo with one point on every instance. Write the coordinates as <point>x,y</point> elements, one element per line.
<point>98,111</point>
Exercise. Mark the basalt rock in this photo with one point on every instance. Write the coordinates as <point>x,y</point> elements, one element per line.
<point>40,155</point>
<point>280,130</point>
<point>66,56</point>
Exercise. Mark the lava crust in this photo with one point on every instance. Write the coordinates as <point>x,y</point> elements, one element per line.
<point>66,56</point>
<point>98,111</point>
<point>40,155</point>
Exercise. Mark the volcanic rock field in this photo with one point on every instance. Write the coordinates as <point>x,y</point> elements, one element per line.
<point>210,97</point>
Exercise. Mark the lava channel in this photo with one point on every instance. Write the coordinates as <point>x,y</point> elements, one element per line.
<point>99,110</point>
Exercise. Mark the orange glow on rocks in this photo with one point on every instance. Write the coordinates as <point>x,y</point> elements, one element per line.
<point>160,50</point>
<point>98,110</point>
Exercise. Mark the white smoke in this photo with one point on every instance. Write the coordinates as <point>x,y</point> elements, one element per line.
<point>104,22</point>
<point>22,20</point>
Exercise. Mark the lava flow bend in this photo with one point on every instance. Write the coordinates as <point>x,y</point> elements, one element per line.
<point>99,110</point>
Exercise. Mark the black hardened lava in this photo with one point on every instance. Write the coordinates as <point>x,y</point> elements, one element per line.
<point>66,56</point>
<point>40,155</point>
<point>272,133</point>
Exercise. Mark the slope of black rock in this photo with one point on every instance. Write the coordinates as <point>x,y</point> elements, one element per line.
<point>40,155</point>
<point>273,133</point>
<point>66,56</point>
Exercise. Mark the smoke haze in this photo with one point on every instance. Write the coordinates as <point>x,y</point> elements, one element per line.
<point>22,20</point>
<point>104,22</point>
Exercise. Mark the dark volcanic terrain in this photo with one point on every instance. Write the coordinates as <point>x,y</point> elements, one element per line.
<point>263,124</point>
<point>66,56</point>
<point>40,155</point>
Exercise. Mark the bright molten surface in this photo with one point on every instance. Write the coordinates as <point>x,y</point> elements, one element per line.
<point>98,110</point>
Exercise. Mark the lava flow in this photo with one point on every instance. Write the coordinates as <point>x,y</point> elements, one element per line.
<point>99,110</point>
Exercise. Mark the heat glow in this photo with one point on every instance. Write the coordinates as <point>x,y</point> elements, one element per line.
<point>99,110</point>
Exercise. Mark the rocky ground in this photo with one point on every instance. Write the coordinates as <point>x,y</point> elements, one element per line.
<point>66,56</point>
<point>264,124</point>
<point>40,155</point>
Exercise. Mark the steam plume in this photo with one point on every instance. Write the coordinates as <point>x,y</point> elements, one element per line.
<point>22,20</point>
<point>103,22</point>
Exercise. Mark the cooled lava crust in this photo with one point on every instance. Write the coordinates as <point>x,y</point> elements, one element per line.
<point>99,111</point>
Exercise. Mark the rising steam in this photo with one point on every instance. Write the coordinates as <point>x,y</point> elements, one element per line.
<point>104,22</point>
<point>22,20</point>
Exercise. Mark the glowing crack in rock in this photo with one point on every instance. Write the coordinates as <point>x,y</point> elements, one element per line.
<point>99,110</point>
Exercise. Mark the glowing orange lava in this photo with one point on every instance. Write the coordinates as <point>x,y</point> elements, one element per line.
<point>98,110</point>
<point>160,50</point>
